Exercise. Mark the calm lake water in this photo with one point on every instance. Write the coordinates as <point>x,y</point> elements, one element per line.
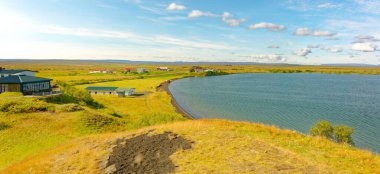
<point>292,101</point>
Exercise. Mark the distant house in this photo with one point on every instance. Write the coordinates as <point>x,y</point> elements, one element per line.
<point>24,84</point>
<point>109,90</point>
<point>141,70</point>
<point>197,69</point>
<point>163,69</point>
<point>101,71</point>
<point>127,70</point>
<point>6,73</point>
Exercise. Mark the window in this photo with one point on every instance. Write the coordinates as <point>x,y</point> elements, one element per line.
<point>110,93</point>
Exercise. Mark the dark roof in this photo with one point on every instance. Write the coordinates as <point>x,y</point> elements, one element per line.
<point>12,71</point>
<point>22,79</point>
<point>101,88</point>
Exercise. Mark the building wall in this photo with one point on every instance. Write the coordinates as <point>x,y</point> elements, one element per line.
<point>9,88</point>
<point>36,87</point>
<point>103,92</point>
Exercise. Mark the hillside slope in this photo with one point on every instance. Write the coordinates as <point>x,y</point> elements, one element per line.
<point>202,146</point>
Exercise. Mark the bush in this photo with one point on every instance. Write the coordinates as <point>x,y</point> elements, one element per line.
<point>3,126</point>
<point>322,128</point>
<point>215,73</point>
<point>25,106</point>
<point>343,134</point>
<point>60,99</point>
<point>339,133</point>
<point>92,122</point>
<point>70,107</point>
<point>74,95</point>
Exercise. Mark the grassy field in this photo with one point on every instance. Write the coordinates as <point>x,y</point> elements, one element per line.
<point>219,147</point>
<point>30,140</point>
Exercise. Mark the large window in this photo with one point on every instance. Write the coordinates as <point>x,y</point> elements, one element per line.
<point>36,86</point>
<point>3,88</point>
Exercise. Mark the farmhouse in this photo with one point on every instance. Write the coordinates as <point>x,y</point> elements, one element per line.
<point>127,70</point>
<point>109,90</point>
<point>163,69</point>
<point>6,73</point>
<point>24,84</point>
<point>197,69</point>
<point>101,71</point>
<point>141,70</point>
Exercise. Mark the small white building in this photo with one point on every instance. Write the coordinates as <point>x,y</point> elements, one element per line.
<point>6,73</point>
<point>109,90</point>
<point>163,68</point>
<point>141,70</point>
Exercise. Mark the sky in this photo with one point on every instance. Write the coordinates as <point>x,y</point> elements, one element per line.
<point>265,31</point>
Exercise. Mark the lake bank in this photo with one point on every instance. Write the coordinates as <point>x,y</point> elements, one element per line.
<point>165,87</point>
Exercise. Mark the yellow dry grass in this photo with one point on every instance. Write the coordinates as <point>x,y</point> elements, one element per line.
<point>219,147</point>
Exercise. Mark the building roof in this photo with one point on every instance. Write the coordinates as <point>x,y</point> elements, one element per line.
<point>12,71</point>
<point>101,88</point>
<point>107,88</point>
<point>22,79</point>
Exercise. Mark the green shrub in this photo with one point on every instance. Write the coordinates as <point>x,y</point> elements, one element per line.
<point>25,106</point>
<point>60,99</point>
<point>343,134</point>
<point>93,122</point>
<point>339,133</point>
<point>322,128</point>
<point>215,73</point>
<point>74,95</point>
<point>70,107</point>
<point>3,126</point>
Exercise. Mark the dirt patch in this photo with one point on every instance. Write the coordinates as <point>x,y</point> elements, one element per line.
<point>146,154</point>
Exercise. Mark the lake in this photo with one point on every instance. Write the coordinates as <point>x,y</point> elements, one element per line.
<point>292,101</point>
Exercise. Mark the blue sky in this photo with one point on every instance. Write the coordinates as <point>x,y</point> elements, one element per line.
<point>268,31</point>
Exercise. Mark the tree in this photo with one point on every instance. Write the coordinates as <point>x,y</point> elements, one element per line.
<point>343,134</point>
<point>322,128</point>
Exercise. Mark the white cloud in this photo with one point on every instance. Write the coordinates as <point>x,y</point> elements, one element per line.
<point>313,46</point>
<point>267,58</point>
<point>269,26</point>
<point>303,52</point>
<point>173,6</point>
<point>365,39</point>
<point>369,6</point>
<point>328,5</point>
<point>334,50</point>
<point>84,32</point>
<point>227,18</point>
<point>364,47</point>
<point>198,13</point>
<point>308,32</point>
<point>273,46</point>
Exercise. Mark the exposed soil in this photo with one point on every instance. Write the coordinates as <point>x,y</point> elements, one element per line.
<point>146,154</point>
<point>165,87</point>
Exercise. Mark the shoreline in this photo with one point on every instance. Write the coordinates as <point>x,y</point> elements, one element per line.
<point>164,86</point>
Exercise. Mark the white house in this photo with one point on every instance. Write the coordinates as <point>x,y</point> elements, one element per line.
<point>110,90</point>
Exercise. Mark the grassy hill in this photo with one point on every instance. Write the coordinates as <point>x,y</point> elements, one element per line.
<point>217,146</point>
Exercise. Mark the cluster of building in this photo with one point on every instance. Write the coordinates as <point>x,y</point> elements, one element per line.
<point>129,70</point>
<point>199,69</point>
<point>23,81</point>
